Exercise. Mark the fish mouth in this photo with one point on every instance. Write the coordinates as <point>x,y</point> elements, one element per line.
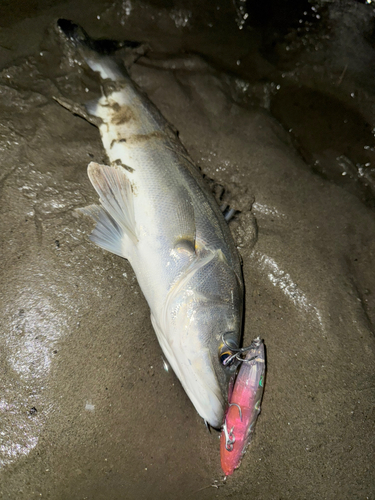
<point>199,380</point>
<point>206,401</point>
<point>204,391</point>
<point>193,367</point>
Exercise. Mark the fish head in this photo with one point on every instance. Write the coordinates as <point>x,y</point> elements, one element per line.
<point>191,336</point>
<point>217,328</point>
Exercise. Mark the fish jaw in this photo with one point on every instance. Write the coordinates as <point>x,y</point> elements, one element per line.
<point>192,351</point>
<point>198,378</point>
<point>190,329</point>
<point>243,410</point>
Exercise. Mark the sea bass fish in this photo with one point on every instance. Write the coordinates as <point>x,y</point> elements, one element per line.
<point>157,212</point>
<point>244,407</point>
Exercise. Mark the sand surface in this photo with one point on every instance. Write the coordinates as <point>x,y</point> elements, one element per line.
<point>282,114</point>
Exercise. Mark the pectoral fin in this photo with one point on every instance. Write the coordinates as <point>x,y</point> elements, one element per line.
<point>183,218</point>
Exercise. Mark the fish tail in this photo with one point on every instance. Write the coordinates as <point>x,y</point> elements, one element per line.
<point>98,54</point>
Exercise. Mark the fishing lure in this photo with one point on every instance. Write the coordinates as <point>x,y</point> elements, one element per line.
<point>244,406</point>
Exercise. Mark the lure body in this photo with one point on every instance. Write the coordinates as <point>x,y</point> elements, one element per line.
<point>244,408</point>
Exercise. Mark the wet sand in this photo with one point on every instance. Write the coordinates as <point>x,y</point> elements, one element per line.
<point>280,113</point>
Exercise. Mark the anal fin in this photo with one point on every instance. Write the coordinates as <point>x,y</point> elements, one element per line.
<point>116,195</point>
<point>86,112</point>
<point>107,233</point>
<point>115,228</point>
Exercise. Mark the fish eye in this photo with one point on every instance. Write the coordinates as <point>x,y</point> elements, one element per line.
<point>227,351</point>
<point>224,358</point>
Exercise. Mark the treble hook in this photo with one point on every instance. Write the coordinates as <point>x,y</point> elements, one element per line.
<point>239,409</point>
<point>237,351</point>
<point>229,437</point>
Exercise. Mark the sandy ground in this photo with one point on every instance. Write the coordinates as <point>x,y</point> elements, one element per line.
<point>282,114</point>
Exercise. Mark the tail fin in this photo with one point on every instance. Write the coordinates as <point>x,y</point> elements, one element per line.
<point>98,53</point>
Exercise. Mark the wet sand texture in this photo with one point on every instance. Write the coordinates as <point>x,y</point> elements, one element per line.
<point>284,120</point>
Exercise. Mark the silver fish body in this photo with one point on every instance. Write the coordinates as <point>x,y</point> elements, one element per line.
<point>156,211</point>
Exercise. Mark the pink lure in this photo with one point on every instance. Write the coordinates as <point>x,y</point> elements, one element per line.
<point>244,408</point>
